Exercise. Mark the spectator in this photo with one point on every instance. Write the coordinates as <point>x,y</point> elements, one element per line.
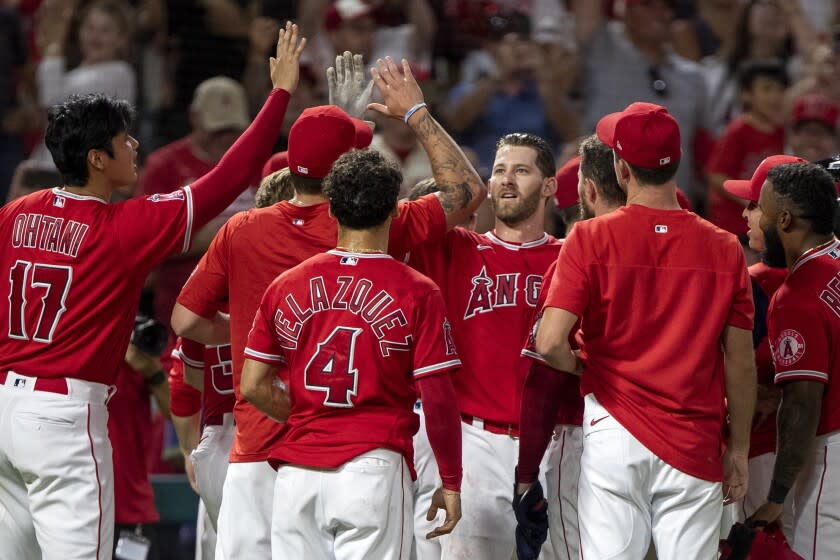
<point>395,140</point>
<point>813,131</point>
<point>523,90</point>
<point>759,132</point>
<point>708,29</point>
<point>218,114</point>
<point>12,57</point>
<point>630,60</point>
<point>820,73</point>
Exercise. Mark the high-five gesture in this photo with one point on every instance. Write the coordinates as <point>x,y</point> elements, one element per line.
<point>285,65</point>
<point>400,92</point>
<point>348,88</point>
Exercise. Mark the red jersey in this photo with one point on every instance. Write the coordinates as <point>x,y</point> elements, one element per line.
<point>490,287</point>
<point>184,400</point>
<point>736,154</point>
<point>130,431</point>
<point>354,331</point>
<point>766,281</point>
<point>570,409</point>
<point>76,265</point>
<point>217,364</point>
<point>642,281</point>
<point>804,327</point>
<point>249,252</point>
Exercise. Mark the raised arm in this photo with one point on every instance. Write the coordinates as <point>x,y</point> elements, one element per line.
<point>461,190</point>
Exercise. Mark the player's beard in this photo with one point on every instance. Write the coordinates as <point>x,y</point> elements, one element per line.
<point>586,212</point>
<point>773,254</point>
<point>512,214</point>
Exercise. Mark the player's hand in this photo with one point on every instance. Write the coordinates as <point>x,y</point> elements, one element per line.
<point>285,65</point>
<point>449,501</point>
<point>769,513</point>
<point>735,475</point>
<point>531,510</point>
<point>348,88</point>
<point>400,92</point>
<point>141,362</point>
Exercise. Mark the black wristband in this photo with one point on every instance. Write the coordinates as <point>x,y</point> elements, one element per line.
<point>777,493</point>
<point>156,378</point>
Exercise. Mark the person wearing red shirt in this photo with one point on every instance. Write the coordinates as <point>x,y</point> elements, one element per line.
<point>797,204</point>
<point>255,246</point>
<point>599,193</point>
<point>359,335</point>
<point>748,139</point>
<point>76,265</point>
<point>765,281</point>
<point>638,279</point>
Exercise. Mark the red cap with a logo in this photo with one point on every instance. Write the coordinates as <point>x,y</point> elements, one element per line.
<point>643,134</point>
<point>815,107</point>
<point>749,189</point>
<point>567,184</point>
<point>320,136</point>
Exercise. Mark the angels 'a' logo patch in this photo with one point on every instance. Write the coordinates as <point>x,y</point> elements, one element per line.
<point>790,347</point>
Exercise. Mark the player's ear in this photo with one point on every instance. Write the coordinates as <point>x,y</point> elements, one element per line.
<point>784,221</point>
<point>622,173</point>
<point>95,159</point>
<point>549,186</point>
<point>590,192</point>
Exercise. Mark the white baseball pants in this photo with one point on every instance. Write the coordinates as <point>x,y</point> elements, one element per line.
<point>360,511</point>
<point>56,472</point>
<point>210,461</point>
<point>627,494</point>
<point>244,529</point>
<point>428,480</point>
<point>562,470</point>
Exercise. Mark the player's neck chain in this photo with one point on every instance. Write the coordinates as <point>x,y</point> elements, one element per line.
<point>359,250</point>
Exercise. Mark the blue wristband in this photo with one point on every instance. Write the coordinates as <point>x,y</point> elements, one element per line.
<point>413,110</point>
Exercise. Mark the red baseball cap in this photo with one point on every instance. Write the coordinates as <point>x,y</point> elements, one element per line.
<point>815,107</point>
<point>320,135</point>
<point>275,163</point>
<point>567,184</point>
<point>643,134</point>
<point>749,189</point>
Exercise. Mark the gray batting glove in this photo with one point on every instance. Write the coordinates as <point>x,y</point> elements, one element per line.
<point>348,88</point>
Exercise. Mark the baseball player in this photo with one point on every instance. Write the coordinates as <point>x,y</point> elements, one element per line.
<point>654,398</point>
<point>76,265</point>
<point>358,334</point>
<point>797,205</point>
<point>490,282</point>
<point>765,281</point>
<point>246,256</point>
<point>598,194</point>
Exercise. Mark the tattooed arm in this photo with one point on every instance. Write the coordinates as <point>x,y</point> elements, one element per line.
<point>799,415</point>
<point>461,191</point>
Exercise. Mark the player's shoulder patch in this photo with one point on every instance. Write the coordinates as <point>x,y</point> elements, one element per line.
<point>167,197</point>
<point>789,348</point>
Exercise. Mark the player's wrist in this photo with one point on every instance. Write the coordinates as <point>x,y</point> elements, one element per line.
<point>778,492</point>
<point>155,378</point>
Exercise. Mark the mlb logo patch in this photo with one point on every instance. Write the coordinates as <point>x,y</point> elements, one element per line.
<point>665,160</point>
<point>298,222</point>
<point>350,261</point>
<point>303,170</point>
<point>20,383</point>
<point>660,229</point>
<point>58,202</point>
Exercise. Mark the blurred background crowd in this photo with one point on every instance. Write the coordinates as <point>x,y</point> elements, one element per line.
<point>744,78</point>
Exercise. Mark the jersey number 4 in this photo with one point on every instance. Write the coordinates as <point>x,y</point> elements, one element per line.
<point>331,369</point>
<point>30,282</point>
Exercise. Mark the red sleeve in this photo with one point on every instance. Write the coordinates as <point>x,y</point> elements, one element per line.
<point>184,400</point>
<point>800,341</point>
<point>263,345</point>
<point>419,221</point>
<point>728,154</point>
<point>206,290</point>
<point>569,288</point>
<point>541,397</point>
<point>742,312</point>
<point>192,353</point>
<point>443,427</point>
<point>434,347</point>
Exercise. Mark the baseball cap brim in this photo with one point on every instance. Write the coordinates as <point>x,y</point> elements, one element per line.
<point>740,188</point>
<point>605,129</point>
<point>364,133</point>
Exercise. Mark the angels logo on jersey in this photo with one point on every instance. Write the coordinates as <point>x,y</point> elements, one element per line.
<point>500,290</point>
<point>790,347</point>
<point>447,337</point>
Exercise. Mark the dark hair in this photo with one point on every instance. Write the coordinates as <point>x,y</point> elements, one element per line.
<point>740,50</point>
<point>306,185</point>
<point>751,70</point>
<point>501,23</point>
<point>596,164</point>
<point>422,188</point>
<point>658,176</point>
<point>80,124</point>
<point>808,191</point>
<point>545,156</point>
<point>362,187</point>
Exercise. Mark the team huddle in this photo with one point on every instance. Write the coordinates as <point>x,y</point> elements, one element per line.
<point>382,382</point>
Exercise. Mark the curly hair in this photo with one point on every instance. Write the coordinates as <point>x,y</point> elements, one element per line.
<point>362,188</point>
<point>808,191</point>
<point>80,124</point>
<point>274,188</point>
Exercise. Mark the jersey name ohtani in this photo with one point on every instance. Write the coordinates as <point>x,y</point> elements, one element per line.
<point>353,295</point>
<point>490,292</point>
<point>48,233</point>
